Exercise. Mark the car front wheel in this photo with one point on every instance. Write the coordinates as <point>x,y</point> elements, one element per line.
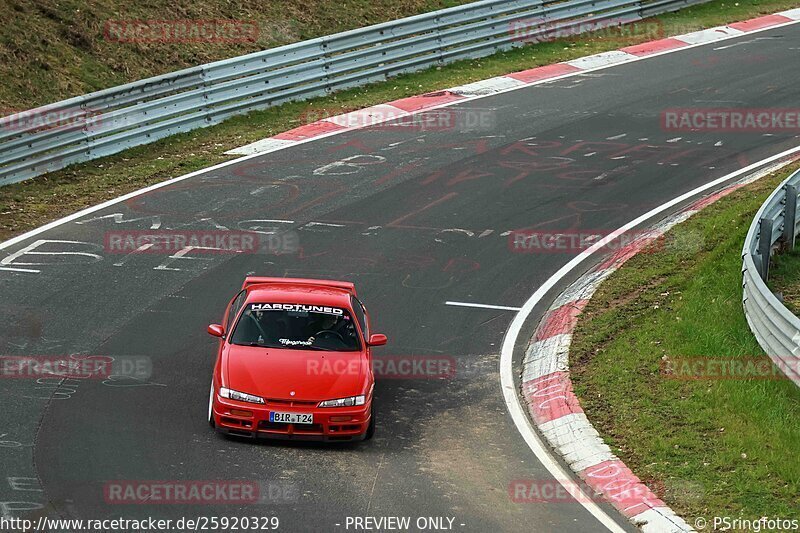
<point>371,427</point>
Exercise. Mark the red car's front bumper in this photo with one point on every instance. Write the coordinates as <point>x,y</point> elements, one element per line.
<point>330,423</point>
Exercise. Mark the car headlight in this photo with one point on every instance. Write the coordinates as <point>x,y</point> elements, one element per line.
<point>241,396</point>
<point>344,402</point>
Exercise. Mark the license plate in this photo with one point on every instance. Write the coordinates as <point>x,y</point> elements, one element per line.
<point>291,418</point>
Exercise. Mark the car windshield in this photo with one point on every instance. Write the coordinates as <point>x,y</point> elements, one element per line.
<point>296,326</point>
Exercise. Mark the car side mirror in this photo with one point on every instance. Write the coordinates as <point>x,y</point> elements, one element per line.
<point>216,330</point>
<point>377,339</point>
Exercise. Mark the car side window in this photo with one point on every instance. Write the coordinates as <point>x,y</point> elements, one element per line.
<point>236,305</point>
<point>358,310</point>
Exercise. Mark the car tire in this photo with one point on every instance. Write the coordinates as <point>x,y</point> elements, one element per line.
<point>211,407</point>
<point>371,427</point>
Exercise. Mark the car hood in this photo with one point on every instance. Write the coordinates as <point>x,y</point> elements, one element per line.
<point>312,375</point>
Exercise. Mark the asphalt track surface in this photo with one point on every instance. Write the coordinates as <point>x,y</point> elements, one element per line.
<point>415,219</point>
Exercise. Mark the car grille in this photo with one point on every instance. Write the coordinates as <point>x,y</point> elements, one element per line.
<point>291,403</point>
<point>298,429</point>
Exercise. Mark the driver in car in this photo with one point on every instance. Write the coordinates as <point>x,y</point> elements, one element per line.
<point>326,324</point>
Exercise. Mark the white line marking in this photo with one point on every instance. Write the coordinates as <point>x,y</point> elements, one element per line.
<point>515,408</point>
<point>325,224</point>
<point>140,249</point>
<point>751,41</point>
<point>21,270</point>
<point>483,306</point>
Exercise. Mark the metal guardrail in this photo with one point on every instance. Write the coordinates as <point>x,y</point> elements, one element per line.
<point>775,327</point>
<point>144,111</point>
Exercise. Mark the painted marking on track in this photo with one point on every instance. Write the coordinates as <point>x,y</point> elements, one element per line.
<point>349,165</point>
<point>21,270</point>
<point>11,443</point>
<point>483,306</point>
<point>751,41</point>
<point>140,249</point>
<point>275,220</point>
<point>182,254</point>
<point>325,224</point>
<point>372,230</point>
<point>418,211</point>
<point>10,262</point>
<point>119,218</point>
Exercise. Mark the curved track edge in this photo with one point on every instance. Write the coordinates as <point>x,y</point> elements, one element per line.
<point>546,388</point>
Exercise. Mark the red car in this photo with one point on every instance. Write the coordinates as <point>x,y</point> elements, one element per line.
<point>294,362</point>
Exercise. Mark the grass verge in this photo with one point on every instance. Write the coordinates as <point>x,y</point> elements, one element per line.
<point>784,278</point>
<point>30,204</point>
<point>724,447</point>
<point>53,50</point>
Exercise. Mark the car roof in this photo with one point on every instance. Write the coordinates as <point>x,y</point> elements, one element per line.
<point>299,293</point>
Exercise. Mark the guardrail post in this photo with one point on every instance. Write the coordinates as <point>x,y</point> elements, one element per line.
<point>764,245</point>
<point>437,27</point>
<point>790,216</point>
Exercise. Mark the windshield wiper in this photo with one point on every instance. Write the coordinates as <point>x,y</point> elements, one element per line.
<point>281,347</point>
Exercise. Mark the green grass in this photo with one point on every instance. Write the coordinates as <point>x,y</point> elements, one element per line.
<point>709,447</point>
<point>35,202</point>
<point>53,50</point>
